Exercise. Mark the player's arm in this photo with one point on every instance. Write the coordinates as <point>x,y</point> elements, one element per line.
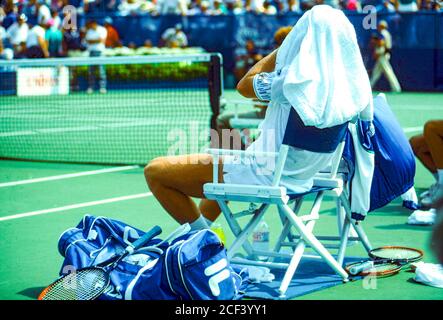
<point>44,45</point>
<point>246,85</point>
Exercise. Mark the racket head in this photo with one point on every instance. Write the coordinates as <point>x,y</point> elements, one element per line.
<point>379,269</point>
<point>83,284</point>
<point>397,254</point>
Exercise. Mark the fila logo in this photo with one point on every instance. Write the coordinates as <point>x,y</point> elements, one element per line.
<point>218,273</point>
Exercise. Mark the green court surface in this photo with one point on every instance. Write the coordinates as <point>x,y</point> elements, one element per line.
<point>39,200</point>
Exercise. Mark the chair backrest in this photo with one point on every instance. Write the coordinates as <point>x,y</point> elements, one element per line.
<point>327,140</point>
<point>311,138</point>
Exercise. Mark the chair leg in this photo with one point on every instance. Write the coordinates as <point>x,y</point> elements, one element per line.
<point>295,260</point>
<point>343,240</point>
<point>357,227</point>
<point>311,240</point>
<point>241,234</point>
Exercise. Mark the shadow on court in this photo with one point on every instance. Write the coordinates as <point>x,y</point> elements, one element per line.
<point>32,293</point>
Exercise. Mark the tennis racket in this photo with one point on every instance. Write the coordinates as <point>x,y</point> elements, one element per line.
<point>385,261</point>
<point>89,283</point>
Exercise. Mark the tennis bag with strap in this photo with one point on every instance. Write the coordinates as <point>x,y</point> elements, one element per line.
<point>193,266</point>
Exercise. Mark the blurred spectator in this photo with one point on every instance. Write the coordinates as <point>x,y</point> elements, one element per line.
<point>95,38</point>
<point>100,5</point>
<point>205,7</point>
<point>56,21</point>
<point>129,7</point>
<point>10,11</point>
<point>43,12</point>
<point>247,60</point>
<point>238,7</point>
<point>54,39</point>
<point>195,7</point>
<point>407,5</point>
<point>281,34</point>
<point>17,33</point>
<point>332,3</point>
<point>382,55</point>
<point>132,45</point>
<point>174,37</point>
<point>172,6</point>
<point>36,46</point>
<point>352,5</point>
<point>293,6</point>
<point>268,8</point>
<point>71,40</point>
<point>147,44</point>
<point>219,8</point>
<point>57,5</point>
<point>112,38</point>
<point>255,6</point>
<point>5,53</point>
<point>387,6</point>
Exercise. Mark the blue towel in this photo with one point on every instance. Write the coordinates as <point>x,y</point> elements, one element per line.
<point>311,275</point>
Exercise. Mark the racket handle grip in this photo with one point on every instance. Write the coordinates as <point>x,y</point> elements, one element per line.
<point>140,242</point>
<point>361,267</point>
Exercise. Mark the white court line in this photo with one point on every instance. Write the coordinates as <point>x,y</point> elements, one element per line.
<point>85,128</point>
<point>412,129</point>
<point>67,176</point>
<point>75,206</point>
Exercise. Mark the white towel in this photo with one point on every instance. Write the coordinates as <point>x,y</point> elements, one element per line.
<point>430,274</point>
<point>422,217</point>
<point>320,71</point>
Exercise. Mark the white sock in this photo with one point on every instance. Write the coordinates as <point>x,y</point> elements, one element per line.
<point>208,222</point>
<point>199,224</point>
<point>440,176</point>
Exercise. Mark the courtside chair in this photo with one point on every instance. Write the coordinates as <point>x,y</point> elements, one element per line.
<point>297,229</point>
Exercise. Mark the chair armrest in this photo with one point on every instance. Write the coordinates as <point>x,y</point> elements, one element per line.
<point>246,153</point>
<point>216,153</point>
<point>242,123</point>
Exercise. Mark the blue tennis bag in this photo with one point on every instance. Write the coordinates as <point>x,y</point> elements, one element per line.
<point>193,266</point>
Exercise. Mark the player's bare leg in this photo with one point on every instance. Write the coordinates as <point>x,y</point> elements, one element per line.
<point>174,180</point>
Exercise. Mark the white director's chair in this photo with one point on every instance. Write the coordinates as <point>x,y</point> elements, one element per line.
<point>297,231</point>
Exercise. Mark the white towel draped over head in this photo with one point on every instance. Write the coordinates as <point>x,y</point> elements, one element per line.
<point>320,71</point>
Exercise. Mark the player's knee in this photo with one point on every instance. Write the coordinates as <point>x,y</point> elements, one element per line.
<point>415,143</point>
<point>430,127</point>
<point>154,171</point>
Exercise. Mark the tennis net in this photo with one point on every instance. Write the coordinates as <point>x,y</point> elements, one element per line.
<point>119,110</point>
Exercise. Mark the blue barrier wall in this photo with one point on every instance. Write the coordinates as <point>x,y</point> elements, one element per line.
<point>417,54</point>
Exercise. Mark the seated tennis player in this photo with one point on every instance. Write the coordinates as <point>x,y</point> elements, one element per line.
<point>428,148</point>
<point>318,71</point>
<point>224,119</point>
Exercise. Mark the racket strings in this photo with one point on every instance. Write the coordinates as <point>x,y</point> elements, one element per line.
<point>397,254</point>
<point>82,285</point>
<point>382,268</point>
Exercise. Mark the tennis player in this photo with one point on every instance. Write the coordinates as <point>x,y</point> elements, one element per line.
<point>428,148</point>
<point>224,119</point>
<point>318,71</point>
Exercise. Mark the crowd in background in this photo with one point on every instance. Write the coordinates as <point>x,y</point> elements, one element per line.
<point>46,8</point>
<point>45,36</point>
<point>35,28</point>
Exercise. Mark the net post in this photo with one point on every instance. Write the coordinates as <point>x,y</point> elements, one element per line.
<point>215,87</point>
